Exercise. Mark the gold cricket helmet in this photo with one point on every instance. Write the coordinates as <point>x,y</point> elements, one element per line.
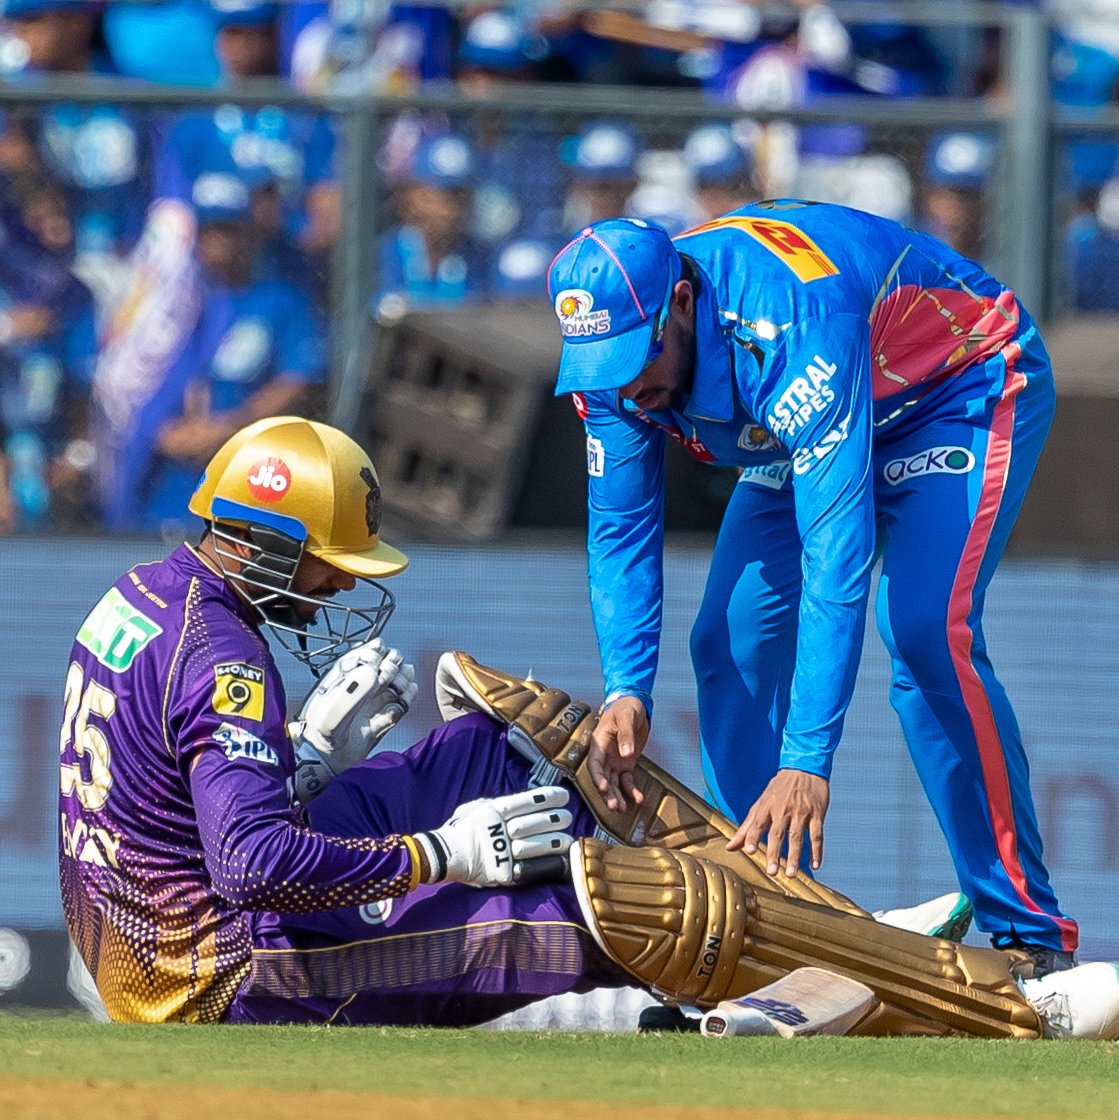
<point>307,480</point>
<point>286,486</point>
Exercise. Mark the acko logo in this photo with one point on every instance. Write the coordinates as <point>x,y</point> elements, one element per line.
<point>936,460</point>
<point>269,480</point>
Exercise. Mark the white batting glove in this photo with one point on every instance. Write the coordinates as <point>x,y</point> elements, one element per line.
<point>497,841</point>
<point>360,699</point>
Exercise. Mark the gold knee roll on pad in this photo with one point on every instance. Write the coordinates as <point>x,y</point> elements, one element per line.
<point>697,933</point>
<point>671,816</point>
<point>676,924</point>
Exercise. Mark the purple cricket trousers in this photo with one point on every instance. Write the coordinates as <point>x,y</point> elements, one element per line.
<point>446,955</point>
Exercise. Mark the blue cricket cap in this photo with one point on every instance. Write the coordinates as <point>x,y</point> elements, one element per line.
<point>609,285</point>
<point>603,151</point>
<point>217,197</point>
<point>497,40</point>
<point>443,161</point>
<point>960,159</point>
<point>714,156</point>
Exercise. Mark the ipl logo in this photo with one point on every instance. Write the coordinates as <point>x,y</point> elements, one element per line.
<point>269,480</point>
<point>573,309</point>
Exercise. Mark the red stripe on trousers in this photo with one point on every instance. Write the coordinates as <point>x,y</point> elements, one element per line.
<point>992,759</point>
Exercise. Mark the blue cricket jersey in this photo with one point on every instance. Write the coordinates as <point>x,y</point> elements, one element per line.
<point>820,331</point>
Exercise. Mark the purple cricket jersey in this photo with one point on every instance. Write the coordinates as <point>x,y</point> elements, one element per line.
<point>178,829</point>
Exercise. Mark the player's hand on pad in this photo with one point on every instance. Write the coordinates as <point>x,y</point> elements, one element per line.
<point>358,701</point>
<point>794,802</point>
<point>497,841</point>
<point>617,743</point>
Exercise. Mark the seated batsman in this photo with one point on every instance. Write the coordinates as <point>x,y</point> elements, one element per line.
<point>198,888</point>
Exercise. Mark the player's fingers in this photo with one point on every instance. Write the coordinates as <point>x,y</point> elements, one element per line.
<point>530,801</point>
<point>615,798</point>
<point>625,737</point>
<point>390,665</point>
<point>629,788</point>
<point>546,844</point>
<point>774,842</point>
<point>816,836</point>
<point>368,653</point>
<point>596,767</point>
<point>750,832</point>
<point>536,824</point>
<point>796,846</point>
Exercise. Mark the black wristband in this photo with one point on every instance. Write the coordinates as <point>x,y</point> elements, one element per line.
<point>435,846</point>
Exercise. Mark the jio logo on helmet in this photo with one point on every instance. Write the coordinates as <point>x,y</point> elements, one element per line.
<point>269,480</point>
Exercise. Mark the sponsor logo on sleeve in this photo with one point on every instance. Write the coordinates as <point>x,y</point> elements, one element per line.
<point>755,438</point>
<point>596,457</point>
<point>116,632</point>
<point>804,457</point>
<point>936,460</point>
<point>576,314</point>
<point>772,475</point>
<point>792,246</point>
<point>580,403</point>
<point>237,742</point>
<point>239,690</point>
<point>802,398</point>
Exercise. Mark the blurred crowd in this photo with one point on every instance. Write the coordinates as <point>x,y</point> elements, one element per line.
<point>166,272</point>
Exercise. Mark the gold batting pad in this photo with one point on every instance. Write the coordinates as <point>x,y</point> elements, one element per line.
<point>671,816</point>
<point>675,923</point>
<point>697,933</point>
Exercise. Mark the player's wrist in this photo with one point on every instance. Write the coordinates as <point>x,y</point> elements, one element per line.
<point>432,854</point>
<point>634,693</point>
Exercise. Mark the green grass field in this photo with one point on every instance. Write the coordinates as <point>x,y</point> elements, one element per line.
<point>55,1068</point>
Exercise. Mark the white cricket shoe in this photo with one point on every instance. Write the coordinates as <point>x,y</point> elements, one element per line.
<point>948,916</point>
<point>1080,1002</point>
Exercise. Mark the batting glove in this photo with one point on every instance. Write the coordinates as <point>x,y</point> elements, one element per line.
<point>358,701</point>
<point>497,841</point>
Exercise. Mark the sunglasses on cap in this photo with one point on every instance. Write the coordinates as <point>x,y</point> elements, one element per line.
<point>656,343</point>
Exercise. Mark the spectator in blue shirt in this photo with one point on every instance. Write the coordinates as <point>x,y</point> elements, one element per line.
<point>292,150</point>
<point>958,168</point>
<point>722,169</point>
<point>430,256</point>
<point>97,152</point>
<point>602,159</point>
<point>257,348</point>
<point>47,351</point>
<point>515,153</point>
<point>171,41</point>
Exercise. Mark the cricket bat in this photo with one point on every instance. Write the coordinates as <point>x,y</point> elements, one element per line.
<point>807,1001</point>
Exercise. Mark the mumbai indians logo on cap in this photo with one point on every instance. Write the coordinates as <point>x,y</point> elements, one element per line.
<point>573,309</point>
